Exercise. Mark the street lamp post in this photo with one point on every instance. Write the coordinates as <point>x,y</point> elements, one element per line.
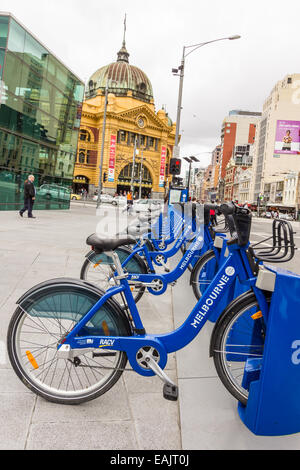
<point>190,160</point>
<point>133,166</point>
<point>141,175</point>
<point>180,69</point>
<point>103,143</point>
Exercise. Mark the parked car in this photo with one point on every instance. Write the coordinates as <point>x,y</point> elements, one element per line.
<point>119,201</point>
<point>75,197</point>
<point>53,191</point>
<point>105,198</point>
<point>144,205</point>
<point>286,216</point>
<point>268,215</point>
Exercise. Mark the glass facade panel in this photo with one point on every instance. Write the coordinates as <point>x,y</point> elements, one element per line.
<point>40,114</point>
<point>16,40</point>
<point>3,31</point>
<point>2,56</point>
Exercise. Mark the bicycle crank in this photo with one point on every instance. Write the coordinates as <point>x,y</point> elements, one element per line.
<point>148,358</point>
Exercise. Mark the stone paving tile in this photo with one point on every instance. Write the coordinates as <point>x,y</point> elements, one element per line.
<point>112,406</point>
<point>83,435</point>
<point>156,420</point>
<point>15,415</point>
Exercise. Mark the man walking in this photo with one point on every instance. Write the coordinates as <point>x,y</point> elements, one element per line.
<point>29,197</point>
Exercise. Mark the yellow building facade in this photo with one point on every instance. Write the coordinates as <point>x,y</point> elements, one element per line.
<point>134,131</point>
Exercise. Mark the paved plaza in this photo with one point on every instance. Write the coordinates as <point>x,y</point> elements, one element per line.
<point>133,415</point>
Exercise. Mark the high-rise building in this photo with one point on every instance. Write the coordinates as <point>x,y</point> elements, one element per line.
<point>277,149</point>
<point>237,140</point>
<point>40,105</point>
<point>215,169</point>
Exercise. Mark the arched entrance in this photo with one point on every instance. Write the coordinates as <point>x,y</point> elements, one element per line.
<point>80,183</point>
<point>142,181</point>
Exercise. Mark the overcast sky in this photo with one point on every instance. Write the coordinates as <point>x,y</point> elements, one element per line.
<point>219,77</point>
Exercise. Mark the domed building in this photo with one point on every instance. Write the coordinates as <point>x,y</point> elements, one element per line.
<point>133,132</point>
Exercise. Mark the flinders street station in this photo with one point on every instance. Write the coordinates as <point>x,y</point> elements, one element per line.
<point>133,131</point>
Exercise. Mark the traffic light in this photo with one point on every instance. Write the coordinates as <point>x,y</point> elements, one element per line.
<point>104,177</point>
<point>175,166</point>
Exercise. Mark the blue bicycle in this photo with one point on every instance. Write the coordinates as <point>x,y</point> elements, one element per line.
<point>69,342</point>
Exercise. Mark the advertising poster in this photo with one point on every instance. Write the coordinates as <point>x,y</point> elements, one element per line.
<point>287,139</point>
<point>112,158</point>
<point>162,166</point>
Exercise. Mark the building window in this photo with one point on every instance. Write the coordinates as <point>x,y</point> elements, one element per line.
<point>81,157</point>
<point>85,135</point>
<point>122,136</point>
<point>142,140</point>
<point>150,141</point>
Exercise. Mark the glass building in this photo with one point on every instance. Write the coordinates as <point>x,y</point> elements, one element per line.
<point>40,111</point>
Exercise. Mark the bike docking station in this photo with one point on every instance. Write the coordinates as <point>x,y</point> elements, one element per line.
<point>273,381</point>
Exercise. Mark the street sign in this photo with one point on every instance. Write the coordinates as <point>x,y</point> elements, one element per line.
<point>176,152</point>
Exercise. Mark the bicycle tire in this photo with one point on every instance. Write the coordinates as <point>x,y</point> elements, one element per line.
<point>198,269</point>
<point>135,266</point>
<point>236,325</point>
<point>36,363</point>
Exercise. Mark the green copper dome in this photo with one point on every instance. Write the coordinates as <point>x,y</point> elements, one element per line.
<point>122,77</point>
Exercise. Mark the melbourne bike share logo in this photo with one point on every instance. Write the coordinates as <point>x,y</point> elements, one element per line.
<point>196,246</point>
<point>209,303</point>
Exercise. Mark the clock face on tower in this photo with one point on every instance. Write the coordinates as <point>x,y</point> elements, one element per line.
<point>141,121</point>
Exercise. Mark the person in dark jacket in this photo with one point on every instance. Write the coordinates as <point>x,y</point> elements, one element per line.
<point>29,197</point>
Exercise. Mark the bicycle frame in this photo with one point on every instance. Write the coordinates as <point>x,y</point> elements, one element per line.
<point>157,234</point>
<point>165,279</point>
<point>151,256</point>
<point>235,265</point>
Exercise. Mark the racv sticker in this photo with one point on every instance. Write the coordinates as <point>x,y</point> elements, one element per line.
<point>106,342</point>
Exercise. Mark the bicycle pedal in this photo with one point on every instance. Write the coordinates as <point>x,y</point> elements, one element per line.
<point>170,392</point>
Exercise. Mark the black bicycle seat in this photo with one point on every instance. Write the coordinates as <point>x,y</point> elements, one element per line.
<point>108,244</point>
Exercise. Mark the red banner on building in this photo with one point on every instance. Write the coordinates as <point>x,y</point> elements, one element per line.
<point>112,158</point>
<point>162,166</point>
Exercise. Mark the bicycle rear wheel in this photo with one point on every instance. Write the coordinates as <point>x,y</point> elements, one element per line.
<point>239,336</point>
<point>34,334</point>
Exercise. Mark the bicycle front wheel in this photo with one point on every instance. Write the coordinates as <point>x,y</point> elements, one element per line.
<point>239,337</point>
<point>34,334</point>
<point>203,273</point>
<point>100,269</point>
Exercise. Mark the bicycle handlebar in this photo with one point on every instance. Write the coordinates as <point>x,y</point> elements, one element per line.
<point>239,222</point>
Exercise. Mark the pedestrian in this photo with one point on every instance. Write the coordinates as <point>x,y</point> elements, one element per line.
<point>29,197</point>
<point>213,216</point>
<point>129,202</point>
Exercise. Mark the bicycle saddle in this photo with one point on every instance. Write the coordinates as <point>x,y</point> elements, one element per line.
<point>108,244</point>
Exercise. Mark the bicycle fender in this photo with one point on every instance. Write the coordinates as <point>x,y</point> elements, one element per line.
<point>32,294</point>
<point>232,304</point>
<point>89,253</point>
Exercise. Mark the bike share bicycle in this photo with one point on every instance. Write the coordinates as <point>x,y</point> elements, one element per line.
<point>69,342</point>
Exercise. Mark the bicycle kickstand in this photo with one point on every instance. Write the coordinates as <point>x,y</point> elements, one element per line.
<point>170,390</point>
